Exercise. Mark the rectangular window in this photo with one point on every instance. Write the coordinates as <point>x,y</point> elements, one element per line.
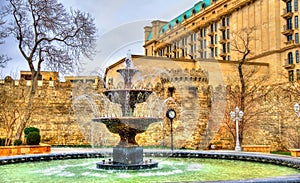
<point>291,76</point>
<point>204,44</point>
<point>297,56</point>
<point>216,39</point>
<point>296,5</point>
<point>297,38</point>
<point>228,47</point>
<point>296,22</point>
<point>216,26</point>
<point>212,28</point>
<point>228,57</point>
<point>228,21</point>
<point>216,51</point>
<point>289,38</point>
<point>289,24</point>
<point>201,33</point>
<point>224,48</point>
<point>212,51</point>
<point>298,74</point>
<point>204,32</point>
<point>228,34</point>
<point>289,6</point>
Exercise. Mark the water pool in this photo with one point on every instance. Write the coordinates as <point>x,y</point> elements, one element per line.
<point>169,170</point>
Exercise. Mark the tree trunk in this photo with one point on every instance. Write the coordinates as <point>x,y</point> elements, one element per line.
<point>28,112</point>
<point>242,99</point>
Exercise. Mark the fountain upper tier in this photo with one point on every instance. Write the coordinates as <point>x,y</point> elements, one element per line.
<point>128,98</point>
<point>127,74</point>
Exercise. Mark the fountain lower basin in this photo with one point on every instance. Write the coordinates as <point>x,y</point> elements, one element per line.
<point>83,170</point>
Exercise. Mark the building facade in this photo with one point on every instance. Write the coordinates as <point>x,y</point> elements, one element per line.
<point>209,28</point>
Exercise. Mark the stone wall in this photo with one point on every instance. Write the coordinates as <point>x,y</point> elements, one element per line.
<point>63,112</point>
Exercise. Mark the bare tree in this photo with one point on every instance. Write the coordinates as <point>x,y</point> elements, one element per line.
<point>12,107</point>
<point>246,95</point>
<point>3,34</point>
<point>49,35</point>
<point>254,96</point>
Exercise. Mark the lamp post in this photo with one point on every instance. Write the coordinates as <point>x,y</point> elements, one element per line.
<point>297,111</point>
<point>171,114</point>
<point>237,115</point>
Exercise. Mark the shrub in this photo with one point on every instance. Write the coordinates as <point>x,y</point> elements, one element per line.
<point>33,138</point>
<point>2,142</point>
<point>31,129</point>
<point>17,142</point>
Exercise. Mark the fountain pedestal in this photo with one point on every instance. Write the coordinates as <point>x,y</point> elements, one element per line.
<point>128,155</point>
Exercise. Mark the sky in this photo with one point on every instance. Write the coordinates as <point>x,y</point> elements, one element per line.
<point>120,25</point>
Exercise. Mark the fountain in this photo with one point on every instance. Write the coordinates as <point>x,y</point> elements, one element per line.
<point>127,154</point>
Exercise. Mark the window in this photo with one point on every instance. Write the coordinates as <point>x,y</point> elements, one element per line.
<point>296,22</point>
<point>289,38</point>
<point>297,56</point>
<point>289,24</point>
<point>216,51</point>
<point>291,76</point>
<point>228,34</point>
<point>228,57</point>
<point>298,74</point>
<point>171,91</point>
<point>216,39</point>
<point>223,21</point>
<point>228,21</point>
<point>204,44</point>
<point>212,51</point>
<point>224,48</point>
<point>228,47</point>
<point>290,58</point>
<point>296,5</point>
<point>289,6</point>
<point>297,38</point>
<point>204,32</point>
<point>223,35</point>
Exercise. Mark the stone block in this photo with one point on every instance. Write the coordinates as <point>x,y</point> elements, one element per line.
<point>128,155</point>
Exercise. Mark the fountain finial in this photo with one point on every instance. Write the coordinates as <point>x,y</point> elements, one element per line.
<point>128,59</point>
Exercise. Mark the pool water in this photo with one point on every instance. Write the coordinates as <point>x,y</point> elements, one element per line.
<point>169,170</point>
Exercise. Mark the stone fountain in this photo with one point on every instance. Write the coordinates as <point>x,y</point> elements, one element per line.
<point>127,154</point>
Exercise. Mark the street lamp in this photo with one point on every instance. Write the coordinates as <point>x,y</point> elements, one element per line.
<point>237,115</point>
<point>296,109</point>
<point>171,114</point>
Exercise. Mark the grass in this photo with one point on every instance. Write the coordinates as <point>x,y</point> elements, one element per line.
<point>281,153</point>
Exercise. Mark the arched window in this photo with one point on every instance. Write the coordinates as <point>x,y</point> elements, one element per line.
<point>290,58</point>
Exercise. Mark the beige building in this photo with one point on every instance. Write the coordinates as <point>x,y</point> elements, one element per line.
<point>207,29</point>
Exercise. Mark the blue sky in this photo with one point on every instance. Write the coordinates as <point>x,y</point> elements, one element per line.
<point>120,26</point>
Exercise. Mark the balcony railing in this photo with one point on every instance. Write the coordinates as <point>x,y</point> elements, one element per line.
<point>222,26</point>
<point>287,13</point>
<point>288,64</point>
<point>290,42</point>
<point>287,30</point>
<point>223,54</point>
<point>223,40</point>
